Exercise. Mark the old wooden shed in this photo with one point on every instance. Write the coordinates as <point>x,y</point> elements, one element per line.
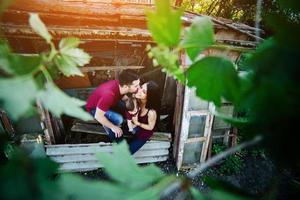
<point>115,35</point>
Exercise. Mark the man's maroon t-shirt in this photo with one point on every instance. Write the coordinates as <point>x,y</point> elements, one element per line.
<point>104,96</point>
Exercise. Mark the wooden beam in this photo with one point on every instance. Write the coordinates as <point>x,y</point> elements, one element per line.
<point>67,149</point>
<point>46,123</point>
<point>96,128</point>
<point>6,123</point>
<point>236,29</point>
<point>207,133</point>
<point>92,157</point>
<point>92,165</point>
<point>103,68</point>
<point>192,140</point>
<point>227,47</point>
<point>222,136</point>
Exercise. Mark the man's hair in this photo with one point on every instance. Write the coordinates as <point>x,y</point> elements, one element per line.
<point>127,77</point>
<point>129,104</point>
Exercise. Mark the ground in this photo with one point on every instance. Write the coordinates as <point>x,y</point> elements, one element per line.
<point>255,177</point>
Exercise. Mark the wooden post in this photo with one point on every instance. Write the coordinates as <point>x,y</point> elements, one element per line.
<point>46,124</point>
<point>7,125</point>
<point>234,136</point>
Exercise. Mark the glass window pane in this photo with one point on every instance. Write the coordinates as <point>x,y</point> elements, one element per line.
<point>192,153</point>
<point>195,103</point>
<point>218,122</point>
<point>219,132</point>
<point>197,126</point>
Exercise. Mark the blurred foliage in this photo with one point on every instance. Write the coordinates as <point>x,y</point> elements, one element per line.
<point>237,10</point>
<point>23,177</point>
<point>29,76</point>
<point>231,164</point>
<point>266,94</point>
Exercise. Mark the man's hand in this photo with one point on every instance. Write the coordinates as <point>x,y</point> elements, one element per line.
<point>135,120</point>
<point>118,131</point>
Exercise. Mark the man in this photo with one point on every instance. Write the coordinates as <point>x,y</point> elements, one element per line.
<point>108,95</point>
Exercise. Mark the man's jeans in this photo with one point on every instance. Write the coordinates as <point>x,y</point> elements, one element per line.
<point>116,119</point>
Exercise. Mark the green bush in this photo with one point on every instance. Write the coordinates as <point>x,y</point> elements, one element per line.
<point>231,164</point>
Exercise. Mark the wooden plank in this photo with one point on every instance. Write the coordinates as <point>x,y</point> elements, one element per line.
<point>104,68</point>
<point>46,124</point>
<point>234,136</point>
<point>85,122</point>
<point>93,149</point>
<point>222,136</point>
<point>185,118</point>
<point>88,150</point>
<point>88,128</point>
<point>91,165</point>
<point>198,139</point>
<point>177,118</point>
<point>207,134</point>
<point>98,129</point>
<point>93,144</point>
<point>236,29</point>
<point>209,152</point>
<point>198,112</point>
<point>161,136</point>
<point>6,123</point>
<point>226,138</point>
<point>92,157</point>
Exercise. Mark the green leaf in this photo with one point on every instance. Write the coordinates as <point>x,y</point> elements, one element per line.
<point>196,193</point>
<point>290,4</point>
<point>153,192</point>
<point>17,95</point>
<point>221,195</point>
<point>76,55</point>
<point>67,66</point>
<point>17,64</point>
<point>214,78</point>
<point>80,189</point>
<point>68,43</point>
<point>236,122</point>
<point>4,57</point>
<point>122,167</point>
<point>59,103</point>
<point>21,65</point>
<point>168,60</point>
<point>224,190</point>
<point>198,36</point>
<point>164,23</point>
<point>39,27</point>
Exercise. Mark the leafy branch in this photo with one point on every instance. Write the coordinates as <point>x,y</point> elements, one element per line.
<point>31,76</point>
<point>219,78</point>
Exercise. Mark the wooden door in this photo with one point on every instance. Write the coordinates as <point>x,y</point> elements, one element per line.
<point>195,130</point>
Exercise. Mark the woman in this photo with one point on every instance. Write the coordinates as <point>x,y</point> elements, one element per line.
<point>149,102</point>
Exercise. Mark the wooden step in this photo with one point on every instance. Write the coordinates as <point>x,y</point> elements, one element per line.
<point>99,130</point>
<point>81,157</point>
<point>93,165</point>
<point>92,157</point>
<point>67,149</point>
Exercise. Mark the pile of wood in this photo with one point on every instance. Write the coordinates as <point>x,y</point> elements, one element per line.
<point>81,157</point>
<point>93,127</point>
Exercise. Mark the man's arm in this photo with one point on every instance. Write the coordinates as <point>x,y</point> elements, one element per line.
<point>99,116</point>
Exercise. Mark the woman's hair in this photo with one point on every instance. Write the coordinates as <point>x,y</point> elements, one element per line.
<point>153,94</point>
